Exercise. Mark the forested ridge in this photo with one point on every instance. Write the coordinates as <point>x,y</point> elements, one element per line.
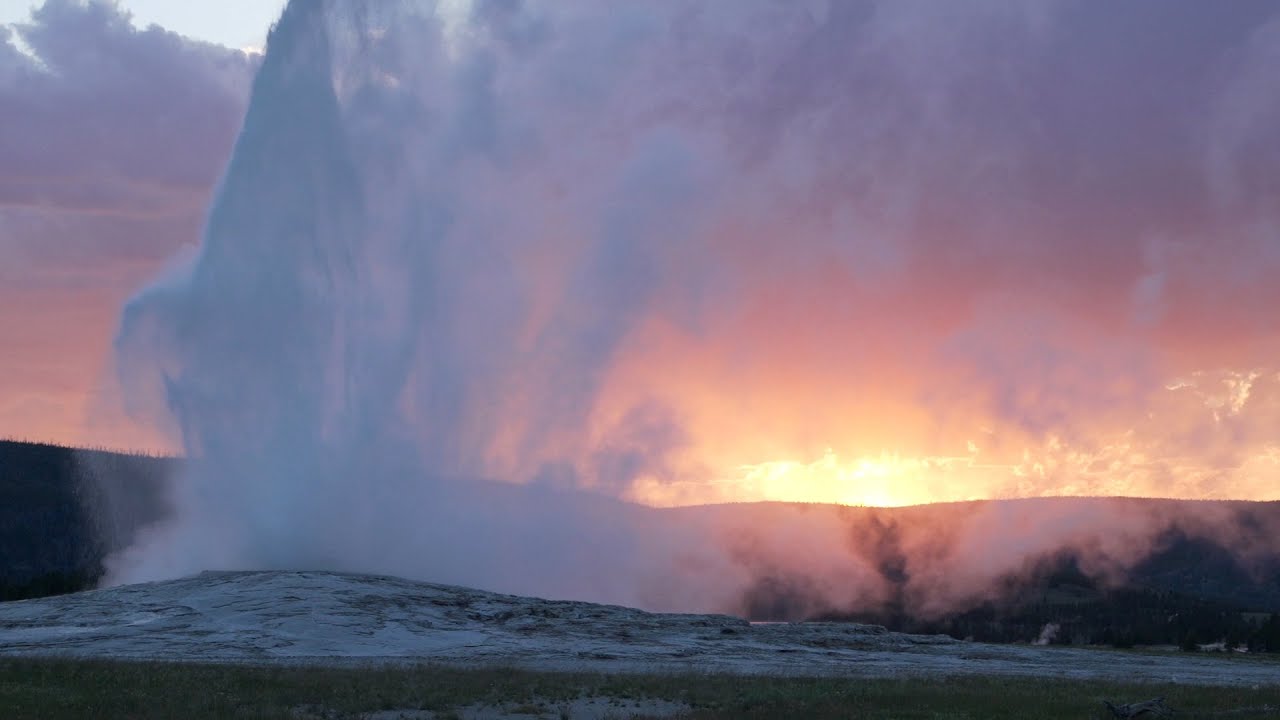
<point>1192,608</point>
<point>62,510</point>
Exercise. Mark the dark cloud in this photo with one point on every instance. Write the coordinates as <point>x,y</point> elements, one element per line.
<point>103,120</point>
<point>101,99</point>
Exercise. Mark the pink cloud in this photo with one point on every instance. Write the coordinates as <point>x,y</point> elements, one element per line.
<point>111,141</point>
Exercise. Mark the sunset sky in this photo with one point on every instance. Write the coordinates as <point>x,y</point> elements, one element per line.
<point>967,250</point>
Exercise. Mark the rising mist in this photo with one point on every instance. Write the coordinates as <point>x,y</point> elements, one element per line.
<point>479,273</point>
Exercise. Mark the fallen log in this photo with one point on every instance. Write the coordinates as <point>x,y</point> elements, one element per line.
<point>1154,707</point>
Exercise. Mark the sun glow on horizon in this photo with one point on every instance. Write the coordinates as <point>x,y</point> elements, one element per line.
<point>1199,435</point>
<point>884,480</point>
<point>889,480</point>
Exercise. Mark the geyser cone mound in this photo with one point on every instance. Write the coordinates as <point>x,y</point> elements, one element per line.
<point>328,618</point>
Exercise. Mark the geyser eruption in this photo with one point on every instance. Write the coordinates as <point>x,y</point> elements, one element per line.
<point>397,289</point>
<point>477,272</point>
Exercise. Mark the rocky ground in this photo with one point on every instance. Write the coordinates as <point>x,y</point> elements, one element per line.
<point>328,618</point>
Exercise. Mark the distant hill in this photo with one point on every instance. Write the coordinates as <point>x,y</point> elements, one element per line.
<point>52,536</point>
<point>62,511</point>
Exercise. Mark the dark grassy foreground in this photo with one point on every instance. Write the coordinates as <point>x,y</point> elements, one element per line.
<point>100,689</point>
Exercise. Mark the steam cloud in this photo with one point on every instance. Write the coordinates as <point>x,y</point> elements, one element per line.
<point>604,251</point>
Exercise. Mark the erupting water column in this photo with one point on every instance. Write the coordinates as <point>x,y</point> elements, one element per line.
<point>357,329</point>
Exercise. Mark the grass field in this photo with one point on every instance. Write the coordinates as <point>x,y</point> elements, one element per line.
<point>99,689</point>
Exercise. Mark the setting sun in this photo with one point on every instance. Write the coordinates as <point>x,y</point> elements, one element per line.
<point>884,481</point>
